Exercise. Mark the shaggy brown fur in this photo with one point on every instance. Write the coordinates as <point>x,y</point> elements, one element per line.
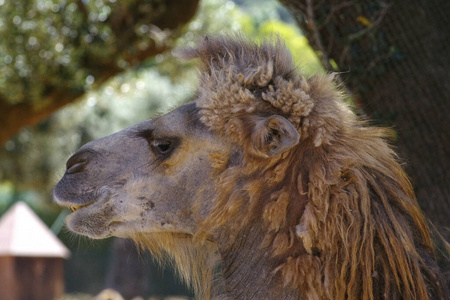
<point>339,213</point>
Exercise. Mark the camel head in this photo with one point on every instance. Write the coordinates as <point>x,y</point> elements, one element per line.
<point>156,176</point>
<point>139,179</point>
<point>267,173</point>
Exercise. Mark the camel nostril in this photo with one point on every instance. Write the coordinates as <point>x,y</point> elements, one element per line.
<point>76,166</point>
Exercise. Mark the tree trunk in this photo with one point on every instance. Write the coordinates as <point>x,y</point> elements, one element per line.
<point>394,60</point>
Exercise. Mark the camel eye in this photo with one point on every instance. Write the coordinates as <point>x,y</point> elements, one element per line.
<point>162,147</point>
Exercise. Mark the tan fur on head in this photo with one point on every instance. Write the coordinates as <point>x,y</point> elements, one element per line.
<point>338,209</point>
<point>232,85</point>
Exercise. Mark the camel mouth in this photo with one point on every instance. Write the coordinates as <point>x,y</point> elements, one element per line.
<point>66,201</point>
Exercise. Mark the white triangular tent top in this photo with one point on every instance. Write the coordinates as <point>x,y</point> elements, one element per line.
<point>22,233</point>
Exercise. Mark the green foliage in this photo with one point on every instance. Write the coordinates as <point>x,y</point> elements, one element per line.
<point>48,45</point>
<point>6,196</point>
<point>255,19</point>
<point>42,46</point>
<point>305,58</point>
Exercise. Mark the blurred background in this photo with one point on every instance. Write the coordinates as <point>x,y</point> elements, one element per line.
<point>74,71</point>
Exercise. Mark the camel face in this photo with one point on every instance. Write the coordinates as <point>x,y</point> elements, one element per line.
<point>142,179</point>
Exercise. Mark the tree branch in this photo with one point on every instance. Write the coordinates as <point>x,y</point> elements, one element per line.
<point>172,14</point>
<point>15,117</point>
<point>374,24</point>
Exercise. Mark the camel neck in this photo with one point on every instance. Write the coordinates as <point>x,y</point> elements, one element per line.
<point>248,270</point>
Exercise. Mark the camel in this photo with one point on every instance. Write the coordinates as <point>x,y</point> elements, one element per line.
<point>266,186</point>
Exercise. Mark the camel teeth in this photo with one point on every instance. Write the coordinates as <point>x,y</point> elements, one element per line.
<point>73,208</point>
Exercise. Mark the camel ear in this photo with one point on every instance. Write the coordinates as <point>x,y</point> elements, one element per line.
<point>274,135</point>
